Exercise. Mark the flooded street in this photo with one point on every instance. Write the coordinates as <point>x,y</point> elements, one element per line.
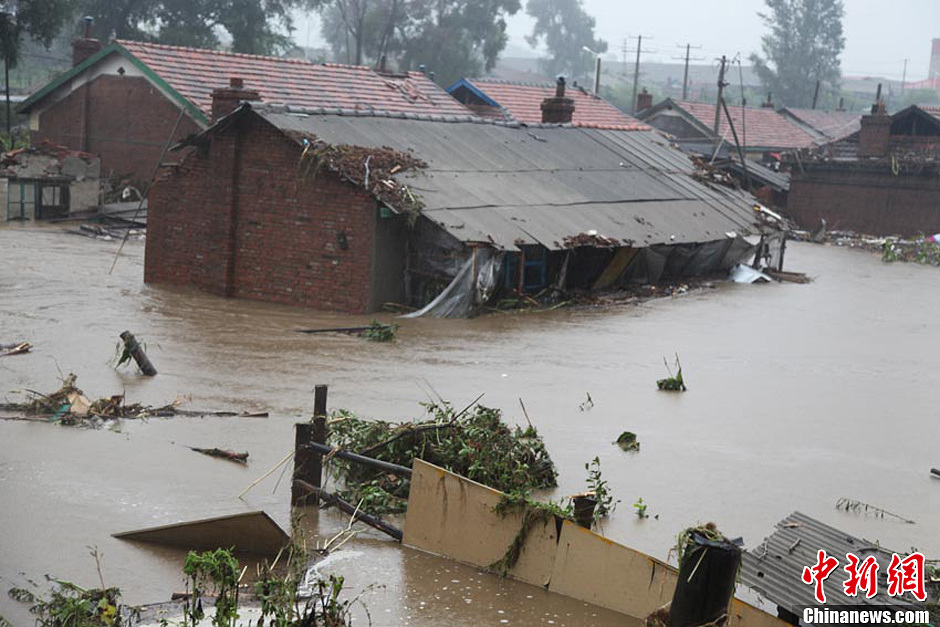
<point>798,395</point>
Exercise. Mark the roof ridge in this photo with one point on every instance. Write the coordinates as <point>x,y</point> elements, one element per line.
<point>503,81</point>
<point>244,55</point>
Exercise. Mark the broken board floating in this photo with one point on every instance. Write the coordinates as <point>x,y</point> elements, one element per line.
<point>249,532</point>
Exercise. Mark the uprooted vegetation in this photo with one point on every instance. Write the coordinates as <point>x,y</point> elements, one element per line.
<point>474,443</point>
<point>371,168</point>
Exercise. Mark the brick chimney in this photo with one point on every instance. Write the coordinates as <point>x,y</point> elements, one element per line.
<point>875,133</point>
<point>87,45</point>
<point>644,100</point>
<point>226,99</point>
<point>558,110</point>
<point>769,103</point>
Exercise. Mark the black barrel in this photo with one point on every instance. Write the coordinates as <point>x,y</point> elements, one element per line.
<point>707,573</point>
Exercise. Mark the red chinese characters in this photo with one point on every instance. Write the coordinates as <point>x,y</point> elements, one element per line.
<point>864,576</point>
<point>907,575</point>
<point>819,572</point>
<point>904,575</point>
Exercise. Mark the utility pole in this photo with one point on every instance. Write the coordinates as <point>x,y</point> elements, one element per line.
<point>721,87</point>
<point>636,70</point>
<point>685,75</point>
<point>904,77</point>
<point>624,48</point>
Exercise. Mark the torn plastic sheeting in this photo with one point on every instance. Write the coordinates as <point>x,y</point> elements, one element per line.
<point>459,298</point>
<point>746,274</point>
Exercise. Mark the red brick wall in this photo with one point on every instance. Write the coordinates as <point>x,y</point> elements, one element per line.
<point>869,201</point>
<point>286,245</point>
<point>123,119</point>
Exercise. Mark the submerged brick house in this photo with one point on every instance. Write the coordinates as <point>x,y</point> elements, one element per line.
<point>348,210</point>
<point>122,101</point>
<point>883,179</point>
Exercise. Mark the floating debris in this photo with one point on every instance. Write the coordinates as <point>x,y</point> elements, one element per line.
<point>587,404</point>
<point>379,332</point>
<point>672,383</point>
<point>628,442</point>
<point>851,505</point>
<point>232,456</point>
<point>474,443</point>
<point>7,350</point>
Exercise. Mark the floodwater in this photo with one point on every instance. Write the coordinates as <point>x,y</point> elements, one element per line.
<point>798,395</point>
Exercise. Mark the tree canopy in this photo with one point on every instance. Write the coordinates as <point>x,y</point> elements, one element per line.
<point>452,38</point>
<point>254,26</point>
<point>566,29</point>
<point>39,19</point>
<point>802,47</point>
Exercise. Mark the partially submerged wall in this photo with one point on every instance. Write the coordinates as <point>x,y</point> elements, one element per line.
<point>867,199</point>
<point>241,218</point>
<point>453,516</point>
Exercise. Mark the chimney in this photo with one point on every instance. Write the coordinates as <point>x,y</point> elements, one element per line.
<point>226,99</point>
<point>934,60</point>
<point>841,104</point>
<point>875,133</point>
<point>769,103</point>
<point>558,110</point>
<point>644,100</point>
<point>87,45</point>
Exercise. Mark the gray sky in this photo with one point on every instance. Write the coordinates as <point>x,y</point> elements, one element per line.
<point>879,35</point>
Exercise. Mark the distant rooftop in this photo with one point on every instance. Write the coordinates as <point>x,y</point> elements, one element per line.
<point>522,101</point>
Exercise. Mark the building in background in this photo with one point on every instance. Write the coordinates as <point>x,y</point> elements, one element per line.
<point>126,101</point>
<point>47,181</point>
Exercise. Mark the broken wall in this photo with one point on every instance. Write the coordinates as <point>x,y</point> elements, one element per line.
<point>454,517</point>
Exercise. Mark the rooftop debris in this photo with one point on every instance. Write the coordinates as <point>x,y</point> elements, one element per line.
<point>232,456</point>
<point>379,332</point>
<point>368,167</point>
<point>15,349</point>
<point>590,238</point>
<point>672,383</point>
<point>851,505</point>
<point>474,443</point>
<point>628,442</point>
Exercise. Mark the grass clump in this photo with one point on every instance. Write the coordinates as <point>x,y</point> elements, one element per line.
<point>380,332</point>
<point>73,606</point>
<point>474,443</point>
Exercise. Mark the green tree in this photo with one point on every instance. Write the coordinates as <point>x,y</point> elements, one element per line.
<point>566,30</point>
<point>802,47</point>
<point>452,38</point>
<point>41,20</point>
<point>255,26</point>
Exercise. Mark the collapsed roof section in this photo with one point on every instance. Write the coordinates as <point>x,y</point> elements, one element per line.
<point>560,186</point>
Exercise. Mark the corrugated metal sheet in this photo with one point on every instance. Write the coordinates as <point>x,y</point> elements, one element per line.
<point>774,568</point>
<point>508,184</point>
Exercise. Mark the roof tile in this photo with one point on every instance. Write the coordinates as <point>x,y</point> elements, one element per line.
<point>755,126</point>
<point>194,73</point>
<point>523,102</point>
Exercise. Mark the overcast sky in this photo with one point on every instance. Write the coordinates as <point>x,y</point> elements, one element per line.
<point>879,35</point>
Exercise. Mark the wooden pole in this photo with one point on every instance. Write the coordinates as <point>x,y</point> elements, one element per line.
<point>721,88</point>
<point>134,348</point>
<point>308,462</point>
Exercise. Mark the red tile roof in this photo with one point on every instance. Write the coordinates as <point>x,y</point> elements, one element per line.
<point>194,73</point>
<point>764,127</point>
<point>523,102</point>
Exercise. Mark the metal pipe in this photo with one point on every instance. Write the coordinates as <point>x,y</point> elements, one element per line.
<point>359,459</point>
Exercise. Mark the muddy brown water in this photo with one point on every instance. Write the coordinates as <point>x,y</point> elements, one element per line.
<point>798,395</point>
